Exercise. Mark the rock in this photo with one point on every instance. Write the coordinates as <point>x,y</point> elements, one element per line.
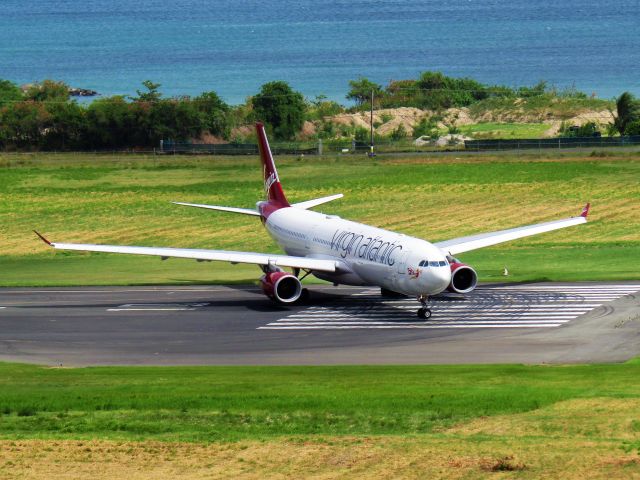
<point>422,141</point>
<point>82,92</point>
<point>451,140</point>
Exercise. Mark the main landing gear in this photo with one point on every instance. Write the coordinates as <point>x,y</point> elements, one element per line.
<point>424,312</point>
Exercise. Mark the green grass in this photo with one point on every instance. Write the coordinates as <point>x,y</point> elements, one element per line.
<point>230,403</point>
<point>540,106</point>
<point>505,130</point>
<point>126,200</point>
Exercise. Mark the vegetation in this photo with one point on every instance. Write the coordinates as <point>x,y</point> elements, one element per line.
<point>488,130</point>
<point>44,117</point>
<point>360,90</point>
<point>346,421</point>
<point>280,108</point>
<point>230,403</point>
<point>627,121</point>
<point>93,199</point>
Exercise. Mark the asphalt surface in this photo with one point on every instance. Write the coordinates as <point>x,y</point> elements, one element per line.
<point>217,325</point>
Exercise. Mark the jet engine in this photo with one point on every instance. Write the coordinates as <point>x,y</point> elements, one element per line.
<point>464,279</point>
<point>281,287</point>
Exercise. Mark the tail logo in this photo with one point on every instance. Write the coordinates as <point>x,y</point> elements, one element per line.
<point>269,181</point>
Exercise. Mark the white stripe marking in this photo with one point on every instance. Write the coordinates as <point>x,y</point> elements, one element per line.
<point>464,315</point>
<point>156,307</point>
<point>436,322</point>
<point>353,327</point>
<point>148,309</point>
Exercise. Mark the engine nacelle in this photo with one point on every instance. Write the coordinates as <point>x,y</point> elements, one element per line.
<point>281,287</point>
<point>464,279</point>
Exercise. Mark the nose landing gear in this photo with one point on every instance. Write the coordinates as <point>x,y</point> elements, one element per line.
<point>424,312</point>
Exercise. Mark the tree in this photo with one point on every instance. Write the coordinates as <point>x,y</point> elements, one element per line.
<point>215,113</point>
<point>628,111</point>
<point>111,123</point>
<point>439,92</point>
<point>22,124</point>
<point>67,126</point>
<point>9,92</point>
<point>48,91</point>
<point>361,89</point>
<point>281,108</point>
<point>151,95</point>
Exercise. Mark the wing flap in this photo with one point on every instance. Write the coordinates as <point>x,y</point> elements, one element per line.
<point>217,255</point>
<point>473,242</point>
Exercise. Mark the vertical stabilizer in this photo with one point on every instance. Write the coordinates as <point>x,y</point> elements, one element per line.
<point>272,186</point>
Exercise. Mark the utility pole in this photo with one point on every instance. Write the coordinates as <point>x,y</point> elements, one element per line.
<point>371,152</point>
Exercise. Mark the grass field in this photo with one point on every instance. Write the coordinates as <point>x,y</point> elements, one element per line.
<point>330,422</point>
<point>126,200</point>
<point>505,130</point>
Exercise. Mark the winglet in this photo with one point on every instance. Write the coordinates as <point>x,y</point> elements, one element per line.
<point>585,210</point>
<point>43,239</point>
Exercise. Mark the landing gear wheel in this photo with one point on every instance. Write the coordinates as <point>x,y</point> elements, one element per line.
<point>424,313</point>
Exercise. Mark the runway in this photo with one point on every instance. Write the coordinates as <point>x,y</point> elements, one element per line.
<point>193,325</point>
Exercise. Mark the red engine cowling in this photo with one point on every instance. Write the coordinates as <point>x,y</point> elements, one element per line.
<point>464,279</point>
<point>281,287</point>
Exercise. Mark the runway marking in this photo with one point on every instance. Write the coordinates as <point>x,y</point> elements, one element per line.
<point>156,307</point>
<point>517,306</point>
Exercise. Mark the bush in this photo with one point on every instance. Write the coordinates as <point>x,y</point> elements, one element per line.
<point>399,133</point>
<point>633,128</point>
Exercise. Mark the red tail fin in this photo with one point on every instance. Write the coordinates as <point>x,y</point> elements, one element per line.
<point>272,186</point>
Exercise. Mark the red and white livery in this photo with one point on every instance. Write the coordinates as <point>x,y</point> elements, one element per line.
<point>341,251</point>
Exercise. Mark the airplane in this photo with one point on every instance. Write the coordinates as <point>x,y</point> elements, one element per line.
<point>340,251</point>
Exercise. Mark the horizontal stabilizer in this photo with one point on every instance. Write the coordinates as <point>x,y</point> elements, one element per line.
<point>318,201</point>
<point>244,211</point>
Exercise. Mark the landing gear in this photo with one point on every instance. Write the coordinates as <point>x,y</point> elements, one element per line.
<point>424,312</point>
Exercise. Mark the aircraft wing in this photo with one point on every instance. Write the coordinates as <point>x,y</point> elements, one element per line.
<point>205,255</point>
<point>466,244</point>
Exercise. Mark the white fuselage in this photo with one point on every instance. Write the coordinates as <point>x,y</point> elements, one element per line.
<point>366,255</point>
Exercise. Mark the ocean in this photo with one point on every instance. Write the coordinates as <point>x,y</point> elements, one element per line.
<point>235,46</point>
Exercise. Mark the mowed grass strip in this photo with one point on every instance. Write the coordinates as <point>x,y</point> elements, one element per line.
<point>533,422</point>
<point>414,457</point>
<point>126,200</point>
<point>231,403</point>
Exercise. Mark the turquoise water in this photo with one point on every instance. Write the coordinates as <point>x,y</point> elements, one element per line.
<point>233,47</point>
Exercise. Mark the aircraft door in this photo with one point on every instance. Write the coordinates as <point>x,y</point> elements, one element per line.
<point>309,237</point>
<point>401,263</point>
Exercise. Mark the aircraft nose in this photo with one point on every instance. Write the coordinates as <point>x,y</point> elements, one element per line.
<point>440,278</point>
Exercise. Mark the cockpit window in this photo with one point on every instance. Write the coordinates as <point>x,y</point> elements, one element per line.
<point>424,263</point>
<point>443,263</point>
<point>433,264</point>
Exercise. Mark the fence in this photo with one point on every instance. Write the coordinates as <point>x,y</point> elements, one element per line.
<point>405,146</point>
<point>545,143</point>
